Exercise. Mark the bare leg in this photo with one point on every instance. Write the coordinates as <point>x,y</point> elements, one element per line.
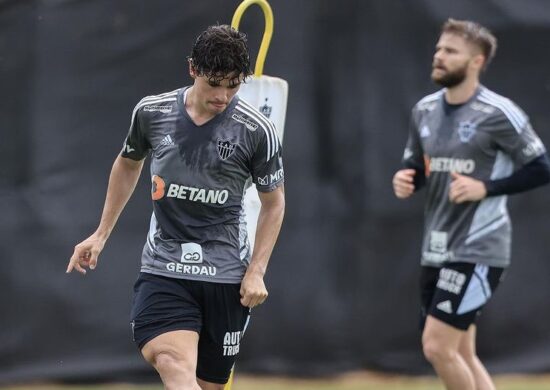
<point>174,356</point>
<point>440,343</point>
<point>467,350</point>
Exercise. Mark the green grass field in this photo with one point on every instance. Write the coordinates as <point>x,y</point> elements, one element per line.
<point>347,382</point>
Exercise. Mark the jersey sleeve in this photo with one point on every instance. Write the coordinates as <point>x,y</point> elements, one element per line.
<point>513,134</point>
<point>267,162</point>
<point>136,145</point>
<point>413,156</point>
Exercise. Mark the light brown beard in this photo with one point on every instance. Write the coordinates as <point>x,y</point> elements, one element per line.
<point>450,79</point>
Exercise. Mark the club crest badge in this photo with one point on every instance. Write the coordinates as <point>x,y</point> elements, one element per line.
<point>265,109</point>
<point>466,131</point>
<point>225,149</point>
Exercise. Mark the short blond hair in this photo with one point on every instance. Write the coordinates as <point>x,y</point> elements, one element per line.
<point>475,34</point>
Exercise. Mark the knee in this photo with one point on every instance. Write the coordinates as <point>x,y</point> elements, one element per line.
<point>175,372</point>
<point>468,355</point>
<point>467,349</point>
<point>436,352</point>
<point>168,361</point>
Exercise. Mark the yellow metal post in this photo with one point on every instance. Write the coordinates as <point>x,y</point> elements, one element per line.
<point>268,31</point>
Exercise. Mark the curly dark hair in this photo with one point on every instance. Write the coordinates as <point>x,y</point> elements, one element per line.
<point>220,52</point>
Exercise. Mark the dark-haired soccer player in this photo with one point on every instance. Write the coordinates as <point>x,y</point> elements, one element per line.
<point>198,278</point>
<point>471,148</point>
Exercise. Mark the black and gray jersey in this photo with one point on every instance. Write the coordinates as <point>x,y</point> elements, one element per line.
<point>199,175</point>
<point>486,138</point>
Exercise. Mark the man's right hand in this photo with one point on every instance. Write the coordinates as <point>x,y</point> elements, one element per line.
<point>85,254</point>
<point>403,183</point>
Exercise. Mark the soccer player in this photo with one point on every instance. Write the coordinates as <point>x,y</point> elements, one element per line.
<point>471,148</point>
<point>198,279</point>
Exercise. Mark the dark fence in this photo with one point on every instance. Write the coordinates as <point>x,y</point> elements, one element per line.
<point>343,278</point>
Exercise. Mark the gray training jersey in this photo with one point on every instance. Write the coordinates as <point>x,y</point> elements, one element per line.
<point>485,138</point>
<point>199,175</point>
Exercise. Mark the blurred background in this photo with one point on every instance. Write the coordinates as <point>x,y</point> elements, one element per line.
<point>343,277</point>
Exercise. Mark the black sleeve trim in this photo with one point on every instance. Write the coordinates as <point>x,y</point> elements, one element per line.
<point>534,174</point>
<point>419,179</point>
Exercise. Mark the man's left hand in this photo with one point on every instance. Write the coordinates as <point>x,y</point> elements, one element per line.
<point>466,189</point>
<point>253,291</point>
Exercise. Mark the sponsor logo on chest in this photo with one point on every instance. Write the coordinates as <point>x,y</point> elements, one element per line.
<point>193,194</point>
<point>448,164</point>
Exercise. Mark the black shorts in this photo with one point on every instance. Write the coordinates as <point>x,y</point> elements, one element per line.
<point>213,310</point>
<point>456,293</point>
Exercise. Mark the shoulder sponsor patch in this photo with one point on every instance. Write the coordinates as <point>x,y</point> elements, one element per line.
<point>163,109</point>
<point>482,107</point>
<point>247,122</point>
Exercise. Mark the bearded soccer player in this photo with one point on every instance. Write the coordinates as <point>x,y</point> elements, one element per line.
<point>471,148</point>
<point>198,279</point>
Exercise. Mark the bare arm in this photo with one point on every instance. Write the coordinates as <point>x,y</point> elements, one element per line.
<point>122,182</point>
<point>253,290</point>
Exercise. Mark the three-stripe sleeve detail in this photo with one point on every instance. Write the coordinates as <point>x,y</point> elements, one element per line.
<point>512,112</point>
<point>273,143</point>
